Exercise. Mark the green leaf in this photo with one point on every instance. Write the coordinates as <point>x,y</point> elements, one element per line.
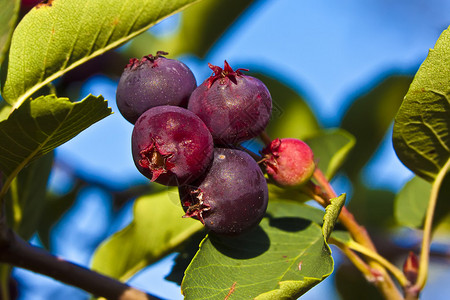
<point>421,130</point>
<point>281,259</point>
<point>200,27</point>
<point>56,37</point>
<point>156,230</point>
<point>291,115</point>
<point>331,148</point>
<point>26,203</point>
<point>4,110</point>
<point>332,212</point>
<point>8,18</point>
<point>412,201</point>
<point>41,125</point>
<point>370,116</point>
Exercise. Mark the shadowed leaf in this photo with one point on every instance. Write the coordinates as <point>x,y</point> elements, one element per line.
<point>26,197</point>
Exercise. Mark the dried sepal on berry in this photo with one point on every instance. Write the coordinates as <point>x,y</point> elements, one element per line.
<point>288,161</point>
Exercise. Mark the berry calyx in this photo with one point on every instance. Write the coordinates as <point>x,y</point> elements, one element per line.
<point>231,197</point>
<point>226,72</point>
<point>235,107</point>
<point>153,159</point>
<point>171,145</point>
<point>153,81</point>
<point>288,161</point>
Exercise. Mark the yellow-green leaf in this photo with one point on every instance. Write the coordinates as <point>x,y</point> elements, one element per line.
<point>156,230</point>
<point>56,36</point>
<point>421,134</point>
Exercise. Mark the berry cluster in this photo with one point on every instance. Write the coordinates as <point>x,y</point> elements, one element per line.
<point>188,136</point>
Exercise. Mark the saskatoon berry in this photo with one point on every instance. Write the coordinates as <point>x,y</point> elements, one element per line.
<point>289,162</point>
<point>234,106</point>
<point>153,81</point>
<point>171,145</point>
<point>231,197</point>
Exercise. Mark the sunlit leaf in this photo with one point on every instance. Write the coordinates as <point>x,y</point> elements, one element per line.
<point>156,230</point>
<point>370,116</point>
<point>26,197</point>
<point>8,17</point>
<point>200,27</point>
<point>4,110</point>
<point>56,36</point>
<point>331,148</point>
<point>41,125</point>
<point>421,134</point>
<point>332,212</point>
<point>281,259</point>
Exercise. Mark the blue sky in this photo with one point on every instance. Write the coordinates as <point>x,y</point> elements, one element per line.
<point>329,51</point>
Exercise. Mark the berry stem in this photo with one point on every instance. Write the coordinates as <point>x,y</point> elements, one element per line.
<point>255,156</point>
<point>265,138</point>
<point>428,227</point>
<point>357,261</point>
<point>359,233</point>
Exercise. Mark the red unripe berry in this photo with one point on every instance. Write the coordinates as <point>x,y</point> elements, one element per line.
<point>289,162</point>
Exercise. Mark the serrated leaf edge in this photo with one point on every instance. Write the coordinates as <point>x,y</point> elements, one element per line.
<point>96,53</point>
<point>32,155</point>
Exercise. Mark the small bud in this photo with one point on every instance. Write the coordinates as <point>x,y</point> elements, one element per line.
<point>411,267</point>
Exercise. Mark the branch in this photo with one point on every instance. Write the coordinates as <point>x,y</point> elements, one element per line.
<point>360,235</point>
<point>19,253</point>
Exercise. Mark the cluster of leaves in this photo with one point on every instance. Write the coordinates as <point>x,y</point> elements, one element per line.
<point>288,253</point>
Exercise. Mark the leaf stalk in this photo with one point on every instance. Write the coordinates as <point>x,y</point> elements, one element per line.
<point>427,230</point>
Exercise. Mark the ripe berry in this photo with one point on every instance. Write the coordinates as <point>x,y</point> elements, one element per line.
<point>231,197</point>
<point>234,106</point>
<point>171,145</point>
<point>289,162</point>
<point>153,81</point>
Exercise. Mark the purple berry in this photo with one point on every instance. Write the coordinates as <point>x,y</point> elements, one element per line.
<point>171,145</point>
<point>234,106</point>
<point>289,162</point>
<point>153,81</point>
<point>231,197</point>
